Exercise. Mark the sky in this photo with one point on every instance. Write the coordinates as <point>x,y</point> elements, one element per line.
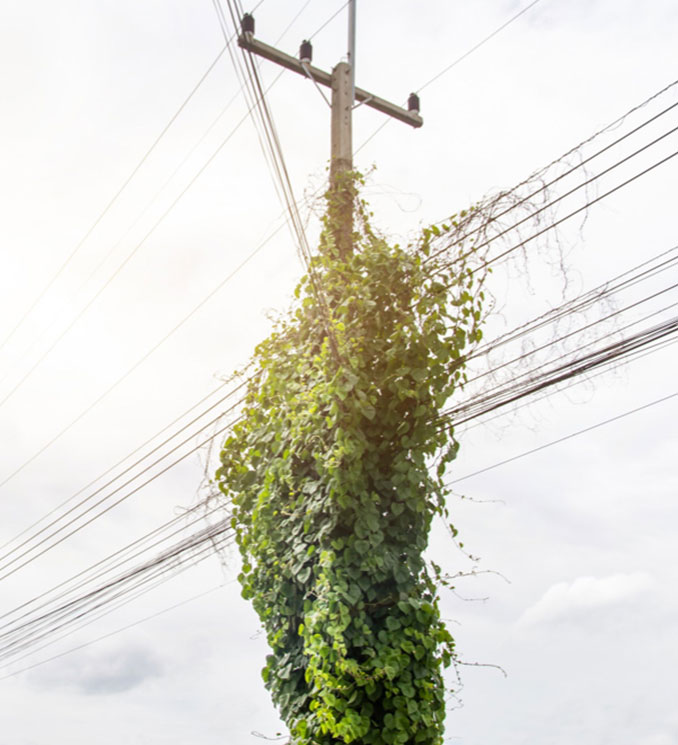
<point>568,627</point>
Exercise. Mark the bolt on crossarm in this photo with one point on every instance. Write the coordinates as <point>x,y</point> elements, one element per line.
<point>341,82</point>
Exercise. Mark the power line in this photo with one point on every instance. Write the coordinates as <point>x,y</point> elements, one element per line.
<point>481,419</point>
<point>130,595</point>
<point>93,494</point>
<point>273,153</point>
<point>521,244</point>
<point>228,44</point>
<point>118,501</point>
<point>484,395</point>
<point>142,359</point>
<point>58,614</point>
<point>115,465</point>
<point>112,201</point>
<point>524,11</point>
<point>543,377</point>
<point>198,545</point>
<point>477,46</point>
<point>84,610</point>
<point>558,199</point>
<point>598,296</point>
<point>581,163</point>
<point>129,257</point>
<point>644,271</point>
<point>585,300</point>
<point>115,560</point>
<point>42,633</point>
<point>24,641</point>
<point>137,572</point>
<point>129,626</point>
<point>446,69</point>
<point>580,330</point>
<point>563,439</point>
<point>152,350</point>
<point>110,482</point>
<point>588,204</point>
<point>627,182</point>
<point>328,21</point>
<point>609,127</point>
<point>67,608</point>
<point>268,135</point>
<point>604,195</point>
<point>172,331</point>
<point>506,393</point>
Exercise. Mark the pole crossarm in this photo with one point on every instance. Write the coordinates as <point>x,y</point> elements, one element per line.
<point>324,78</point>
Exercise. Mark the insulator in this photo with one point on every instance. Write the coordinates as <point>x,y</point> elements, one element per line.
<point>306,51</point>
<point>413,103</point>
<point>247,25</point>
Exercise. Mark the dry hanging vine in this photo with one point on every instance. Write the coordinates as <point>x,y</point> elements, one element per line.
<point>328,473</point>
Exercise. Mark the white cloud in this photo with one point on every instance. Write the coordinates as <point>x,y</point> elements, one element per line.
<point>114,671</point>
<point>661,738</point>
<point>586,595</point>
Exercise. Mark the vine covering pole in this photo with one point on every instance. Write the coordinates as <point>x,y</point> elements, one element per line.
<point>341,81</point>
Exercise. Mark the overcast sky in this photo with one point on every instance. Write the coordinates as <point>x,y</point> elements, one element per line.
<point>581,613</point>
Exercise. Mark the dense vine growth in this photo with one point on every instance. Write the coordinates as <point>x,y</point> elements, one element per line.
<point>329,476</point>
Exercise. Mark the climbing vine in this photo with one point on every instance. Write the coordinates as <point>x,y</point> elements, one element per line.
<point>329,477</point>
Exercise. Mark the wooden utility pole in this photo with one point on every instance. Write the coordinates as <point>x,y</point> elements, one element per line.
<point>341,160</point>
<point>341,81</point>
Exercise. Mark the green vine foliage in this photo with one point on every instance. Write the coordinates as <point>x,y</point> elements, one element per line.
<point>329,477</point>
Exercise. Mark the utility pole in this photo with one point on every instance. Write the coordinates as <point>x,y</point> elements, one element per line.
<point>345,94</point>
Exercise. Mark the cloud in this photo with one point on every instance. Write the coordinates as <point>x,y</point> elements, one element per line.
<point>659,739</point>
<point>110,672</point>
<point>584,596</point>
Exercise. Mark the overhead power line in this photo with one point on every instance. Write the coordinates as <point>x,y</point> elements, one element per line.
<point>548,371</point>
<point>114,199</point>
<point>196,547</point>
<point>111,468</point>
<point>477,46</point>
<point>520,244</point>
<point>563,439</point>
<point>273,154</point>
<point>36,630</point>
<point>68,588</point>
<point>173,330</point>
<point>646,270</point>
<point>78,508</point>
<point>312,36</point>
<point>453,64</point>
<point>569,192</point>
<point>44,529</point>
<point>524,11</point>
<point>553,342</point>
<point>44,630</point>
<point>143,358</point>
<point>27,633</point>
<point>129,256</point>
<point>546,376</point>
<point>482,419</point>
<point>119,630</point>
<point>41,531</point>
<point>588,204</point>
<point>104,510</point>
<point>167,181</point>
